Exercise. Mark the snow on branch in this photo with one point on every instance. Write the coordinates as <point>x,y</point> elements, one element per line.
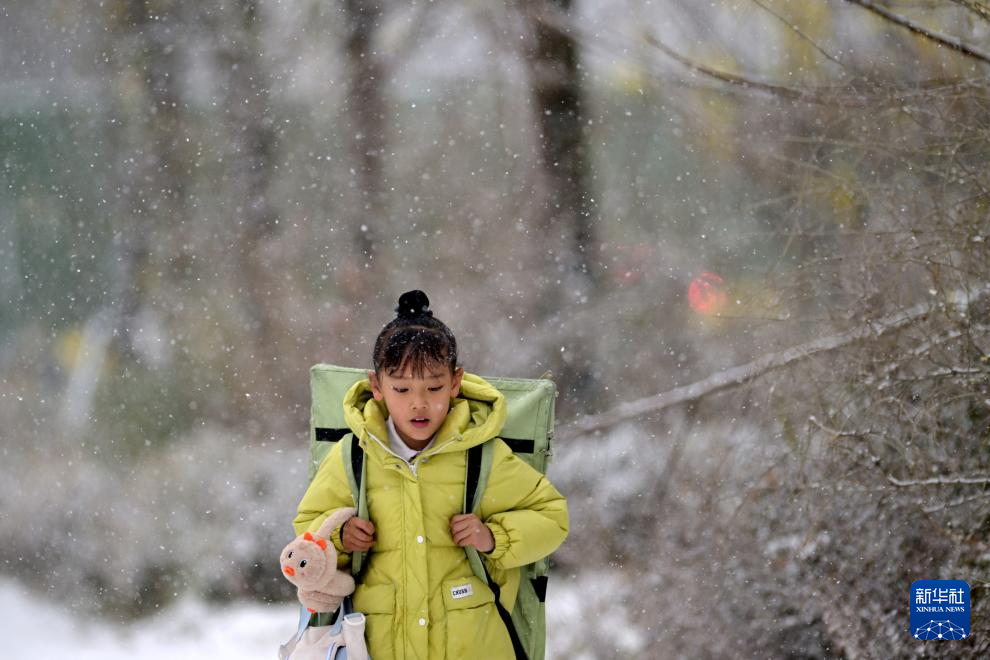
<point>942,39</point>
<point>735,376</point>
<point>840,434</point>
<point>956,502</point>
<point>938,481</point>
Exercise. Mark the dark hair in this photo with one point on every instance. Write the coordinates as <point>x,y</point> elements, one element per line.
<point>414,338</point>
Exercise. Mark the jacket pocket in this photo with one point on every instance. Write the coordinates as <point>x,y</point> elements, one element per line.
<point>474,627</point>
<point>377,603</point>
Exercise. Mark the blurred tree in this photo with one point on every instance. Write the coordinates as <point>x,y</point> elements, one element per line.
<point>147,96</point>
<point>146,146</point>
<point>874,176</point>
<point>566,210</point>
<point>251,128</point>
<point>365,109</point>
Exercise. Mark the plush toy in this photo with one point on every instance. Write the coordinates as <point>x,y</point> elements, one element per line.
<point>310,563</point>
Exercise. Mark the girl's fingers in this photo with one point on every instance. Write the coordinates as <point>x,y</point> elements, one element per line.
<point>359,529</point>
<point>358,546</point>
<point>462,536</point>
<point>464,521</point>
<point>359,535</point>
<point>467,530</point>
<point>471,536</point>
<point>364,525</point>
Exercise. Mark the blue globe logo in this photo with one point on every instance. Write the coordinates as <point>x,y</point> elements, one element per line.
<point>940,630</point>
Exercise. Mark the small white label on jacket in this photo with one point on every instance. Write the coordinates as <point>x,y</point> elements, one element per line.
<point>462,591</point>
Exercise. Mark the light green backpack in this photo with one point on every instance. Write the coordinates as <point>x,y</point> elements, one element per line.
<point>528,431</point>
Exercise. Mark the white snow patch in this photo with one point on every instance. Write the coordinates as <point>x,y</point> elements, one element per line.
<point>34,628</point>
<point>588,608</point>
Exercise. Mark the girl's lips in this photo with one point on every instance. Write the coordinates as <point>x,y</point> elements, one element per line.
<point>419,423</point>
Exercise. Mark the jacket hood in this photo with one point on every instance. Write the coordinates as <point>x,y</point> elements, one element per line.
<point>476,415</point>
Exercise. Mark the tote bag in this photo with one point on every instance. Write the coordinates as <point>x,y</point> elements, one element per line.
<point>343,640</point>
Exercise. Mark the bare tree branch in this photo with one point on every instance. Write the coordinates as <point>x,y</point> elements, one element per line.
<point>736,376</point>
<point>935,373</point>
<point>796,30</point>
<point>837,433</point>
<point>724,76</point>
<point>561,21</point>
<point>917,351</point>
<point>841,96</point>
<point>945,40</point>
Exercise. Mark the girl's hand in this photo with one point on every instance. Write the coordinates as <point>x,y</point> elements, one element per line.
<point>468,530</point>
<point>357,535</point>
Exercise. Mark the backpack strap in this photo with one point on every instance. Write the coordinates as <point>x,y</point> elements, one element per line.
<point>479,466</point>
<point>354,468</point>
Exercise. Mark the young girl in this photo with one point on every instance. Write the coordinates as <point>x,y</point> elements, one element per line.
<point>415,417</point>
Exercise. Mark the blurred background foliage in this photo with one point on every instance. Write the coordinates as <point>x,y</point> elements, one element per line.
<point>200,200</point>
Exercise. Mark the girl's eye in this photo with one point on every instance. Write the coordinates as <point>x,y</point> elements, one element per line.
<point>401,390</point>
<point>436,389</point>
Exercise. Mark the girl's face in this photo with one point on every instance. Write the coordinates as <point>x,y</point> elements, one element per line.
<point>417,405</point>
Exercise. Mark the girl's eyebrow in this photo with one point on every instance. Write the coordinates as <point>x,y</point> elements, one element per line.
<point>431,375</point>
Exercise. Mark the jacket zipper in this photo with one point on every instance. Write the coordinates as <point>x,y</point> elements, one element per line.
<point>402,461</point>
<point>412,466</point>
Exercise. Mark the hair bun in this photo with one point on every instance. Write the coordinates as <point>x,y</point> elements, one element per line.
<point>413,304</point>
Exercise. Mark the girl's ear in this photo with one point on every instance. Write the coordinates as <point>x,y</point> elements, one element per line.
<point>455,387</point>
<point>376,387</point>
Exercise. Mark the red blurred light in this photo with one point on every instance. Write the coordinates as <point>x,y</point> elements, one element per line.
<point>706,295</point>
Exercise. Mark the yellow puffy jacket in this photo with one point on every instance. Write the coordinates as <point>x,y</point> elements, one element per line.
<point>418,592</point>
